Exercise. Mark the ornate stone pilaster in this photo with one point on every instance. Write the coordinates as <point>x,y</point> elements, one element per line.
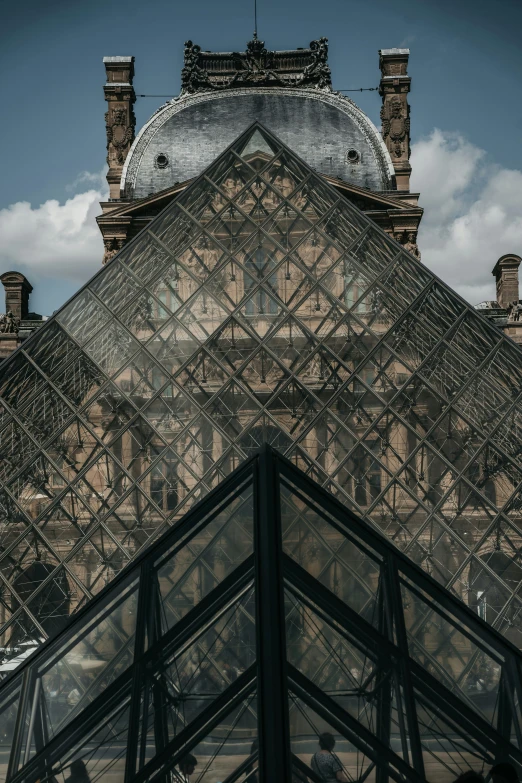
<point>395,112</point>
<point>120,122</point>
<point>17,289</point>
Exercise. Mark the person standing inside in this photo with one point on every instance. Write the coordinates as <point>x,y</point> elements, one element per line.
<point>187,766</point>
<point>325,764</point>
<point>79,773</point>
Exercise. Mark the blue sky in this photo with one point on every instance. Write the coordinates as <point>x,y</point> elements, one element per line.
<point>466,117</point>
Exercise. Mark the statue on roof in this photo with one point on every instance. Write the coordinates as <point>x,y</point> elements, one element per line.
<point>193,77</point>
<point>9,323</point>
<point>318,71</point>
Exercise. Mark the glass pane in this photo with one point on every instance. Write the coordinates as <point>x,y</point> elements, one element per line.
<point>305,728</point>
<point>82,670</point>
<point>103,758</point>
<point>219,754</point>
<point>462,664</point>
<point>116,286</point>
<point>192,678</point>
<point>83,317</point>
<point>8,710</point>
<point>325,655</point>
<point>192,571</point>
<point>330,556</point>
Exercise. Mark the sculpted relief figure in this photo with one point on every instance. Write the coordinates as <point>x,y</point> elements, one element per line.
<point>395,127</point>
<point>112,246</point>
<point>193,77</point>
<point>9,323</point>
<point>516,312</point>
<point>120,135</point>
<point>318,71</point>
<point>411,245</point>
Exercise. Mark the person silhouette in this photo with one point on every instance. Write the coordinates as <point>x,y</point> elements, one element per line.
<point>325,764</point>
<point>79,773</point>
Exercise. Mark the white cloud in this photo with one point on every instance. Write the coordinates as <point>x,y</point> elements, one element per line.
<point>54,240</point>
<point>97,180</point>
<point>473,212</point>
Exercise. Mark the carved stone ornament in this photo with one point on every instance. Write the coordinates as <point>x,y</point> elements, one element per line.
<point>9,323</point>
<point>112,247</point>
<point>193,78</point>
<point>411,242</point>
<point>395,126</point>
<point>120,135</point>
<point>255,67</point>
<point>515,314</point>
<point>318,71</point>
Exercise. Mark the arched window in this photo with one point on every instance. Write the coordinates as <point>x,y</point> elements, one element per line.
<point>259,264</point>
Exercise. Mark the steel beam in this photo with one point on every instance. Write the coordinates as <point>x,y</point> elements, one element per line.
<point>272,695</point>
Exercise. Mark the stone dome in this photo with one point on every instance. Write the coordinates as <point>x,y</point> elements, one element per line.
<point>325,128</point>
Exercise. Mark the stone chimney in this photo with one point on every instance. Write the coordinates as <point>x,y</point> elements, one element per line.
<point>17,290</point>
<point>505,272</point>
<point>395,112</point>
<point>120,121</point>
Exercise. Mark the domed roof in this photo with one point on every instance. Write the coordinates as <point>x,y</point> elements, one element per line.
<point>325,128</point>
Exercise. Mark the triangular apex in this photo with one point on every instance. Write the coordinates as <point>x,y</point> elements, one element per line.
<point>268,615</point>
<point>260,305</point>
<point>257,142</point>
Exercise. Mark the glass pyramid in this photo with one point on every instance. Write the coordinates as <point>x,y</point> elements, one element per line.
<point>268,615</point>
<point>260,306</point>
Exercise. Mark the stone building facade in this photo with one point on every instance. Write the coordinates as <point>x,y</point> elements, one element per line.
<point>291,92</point>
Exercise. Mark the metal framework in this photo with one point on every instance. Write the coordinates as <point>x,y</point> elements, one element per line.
<point>227,641</point>
<point>259,307</point>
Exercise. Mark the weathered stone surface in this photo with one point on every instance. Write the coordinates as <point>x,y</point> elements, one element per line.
<point>322,127</point>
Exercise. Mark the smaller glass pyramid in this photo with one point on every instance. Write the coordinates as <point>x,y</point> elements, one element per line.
<point>268,616</point>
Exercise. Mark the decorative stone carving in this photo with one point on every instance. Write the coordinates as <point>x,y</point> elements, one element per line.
<point>395,125</point>
<point>318,72</point>
<point>411,245</point>
<point>120,121</point>
<point>112,247</point>
<point>515,314</point>
<point>193,78</point>
<point>394,87</point>
<point>120,135</point>
<point>9,323</point>
<point>256,66</point>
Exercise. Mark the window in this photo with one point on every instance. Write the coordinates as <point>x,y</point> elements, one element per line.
<point>259,264</point>
<point>163,486</point>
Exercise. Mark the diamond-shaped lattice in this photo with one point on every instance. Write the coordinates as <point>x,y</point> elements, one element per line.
<point>260,307</point>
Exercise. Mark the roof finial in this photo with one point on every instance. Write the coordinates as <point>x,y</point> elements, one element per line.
<point>255,19</point>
